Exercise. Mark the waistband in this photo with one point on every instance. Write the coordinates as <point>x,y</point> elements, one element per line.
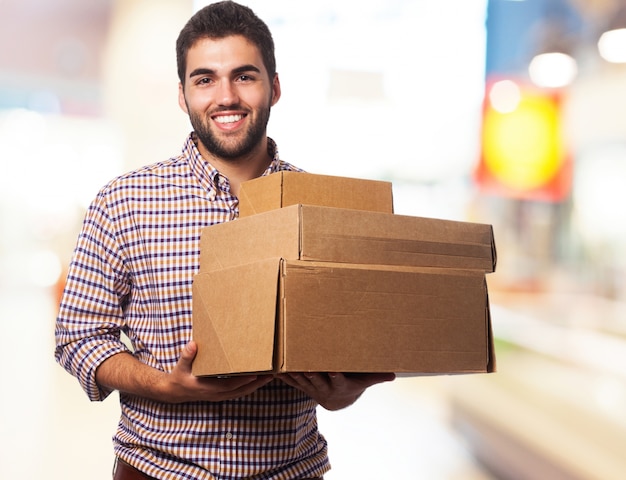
<point>124,471</point>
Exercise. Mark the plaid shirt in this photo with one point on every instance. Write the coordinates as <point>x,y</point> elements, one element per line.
<point>132,272</point>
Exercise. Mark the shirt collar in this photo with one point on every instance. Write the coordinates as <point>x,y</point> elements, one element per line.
<point>208,175</point>
<point>274,165</point>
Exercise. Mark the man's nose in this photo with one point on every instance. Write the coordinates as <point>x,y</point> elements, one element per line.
<point>227,93</point>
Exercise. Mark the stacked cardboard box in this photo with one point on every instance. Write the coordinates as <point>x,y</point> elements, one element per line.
<point>339,283</point>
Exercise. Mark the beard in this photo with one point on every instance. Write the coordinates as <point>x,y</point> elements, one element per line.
<point>224,148</point>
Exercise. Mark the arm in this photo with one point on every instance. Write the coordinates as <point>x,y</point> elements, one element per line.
<point>335,391</point>
<point>91,316</point>
<point>125,373</point>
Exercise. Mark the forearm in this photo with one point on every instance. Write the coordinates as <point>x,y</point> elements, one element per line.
<point>127,374</point>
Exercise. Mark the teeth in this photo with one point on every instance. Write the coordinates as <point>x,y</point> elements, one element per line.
<point>228,118</point>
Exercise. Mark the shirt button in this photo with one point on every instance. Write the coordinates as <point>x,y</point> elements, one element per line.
<point>229,436</point>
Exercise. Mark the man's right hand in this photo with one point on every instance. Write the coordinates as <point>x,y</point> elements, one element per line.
<point>183,386</point>
<point>125,373</point>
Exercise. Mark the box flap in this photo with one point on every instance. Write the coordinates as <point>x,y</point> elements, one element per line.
<point>260,194</point>
<point>269,234</point>
<point>337,192</point>
<point>491,363</point>
<point>329,234</point>
<point>494,253</point>
<point>286,188</point>
<point>234,314</point>
<point>332,234</point>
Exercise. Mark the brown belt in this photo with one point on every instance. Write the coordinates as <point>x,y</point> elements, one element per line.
<point>124,471</point>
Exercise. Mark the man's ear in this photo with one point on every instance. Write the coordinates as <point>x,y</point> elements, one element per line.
<point>181,99</point>
<point>275,90</point>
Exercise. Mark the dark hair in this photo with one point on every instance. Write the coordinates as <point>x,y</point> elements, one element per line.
<point>223,19</point>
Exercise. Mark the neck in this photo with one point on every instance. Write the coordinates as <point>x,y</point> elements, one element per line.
<point>240,169</point>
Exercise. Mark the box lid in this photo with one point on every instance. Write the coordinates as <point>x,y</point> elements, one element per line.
<point>282,189</point>
<point>306,232</point>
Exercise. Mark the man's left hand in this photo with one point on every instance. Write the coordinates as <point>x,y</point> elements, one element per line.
<point>335,391</point>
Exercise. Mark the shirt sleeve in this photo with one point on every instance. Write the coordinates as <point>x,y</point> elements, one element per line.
<point>91,313</point>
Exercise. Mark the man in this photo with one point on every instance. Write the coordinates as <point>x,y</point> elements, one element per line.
<point>132,273</point>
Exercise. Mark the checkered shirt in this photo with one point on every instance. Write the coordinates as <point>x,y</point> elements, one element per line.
<point>132,272</point>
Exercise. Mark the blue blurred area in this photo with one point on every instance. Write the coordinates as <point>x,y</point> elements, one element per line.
<point>514,31</point>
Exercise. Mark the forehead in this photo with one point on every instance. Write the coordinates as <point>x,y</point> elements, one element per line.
<point>223,54</point>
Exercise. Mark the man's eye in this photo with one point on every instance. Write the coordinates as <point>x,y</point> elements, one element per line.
<point>204,81</point>
<point>245,78</point>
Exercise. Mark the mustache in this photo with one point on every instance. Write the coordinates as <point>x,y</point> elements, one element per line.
<point>228,109</point>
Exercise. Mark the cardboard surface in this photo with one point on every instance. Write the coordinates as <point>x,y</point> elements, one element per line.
<point>318,274</point>
<point>234,319</point>
<point>314,233</point>
<point>279,315</point>
<point>283,189</point>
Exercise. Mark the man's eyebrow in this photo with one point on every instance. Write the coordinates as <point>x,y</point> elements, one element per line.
<point>247,68</point>
<point>201,71</point>
<point>209,71</point>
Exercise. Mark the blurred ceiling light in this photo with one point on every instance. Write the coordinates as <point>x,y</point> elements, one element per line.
<point>612,45</point>
<point>504,96</point>
<point>553,70</point>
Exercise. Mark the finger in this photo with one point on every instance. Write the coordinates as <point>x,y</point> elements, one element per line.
<point>217,389</point>
<point>231,383</point>
<point>370,379</point>
<point>318,380</point>
<point>302,381</point>
<point>250,387</point>
<point>187,356</point>
<point>384,377</point>
<point>289,380</point>
<point>337,380</point>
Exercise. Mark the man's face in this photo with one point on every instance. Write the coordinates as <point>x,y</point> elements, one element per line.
<point>228,95</point>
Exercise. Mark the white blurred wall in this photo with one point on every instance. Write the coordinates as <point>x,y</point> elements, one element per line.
<point>429,86</point>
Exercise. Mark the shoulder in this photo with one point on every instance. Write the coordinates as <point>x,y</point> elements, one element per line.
<point>153,175</point>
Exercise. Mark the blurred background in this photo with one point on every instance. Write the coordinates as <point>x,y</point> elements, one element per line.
<point>504,112</point>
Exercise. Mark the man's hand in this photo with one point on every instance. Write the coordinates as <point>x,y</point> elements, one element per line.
<point>183,386</point>
<point>335,391</point>
<point>125,373</point>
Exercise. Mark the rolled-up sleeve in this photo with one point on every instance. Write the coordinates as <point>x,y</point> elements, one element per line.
<point>91,314</point>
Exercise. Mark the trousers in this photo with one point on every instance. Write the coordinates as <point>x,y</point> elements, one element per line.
<point>124,471</point>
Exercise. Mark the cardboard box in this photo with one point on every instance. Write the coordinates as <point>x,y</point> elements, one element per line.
<point>283,189</point>
<point>278,315</point>
<point>307,232</point>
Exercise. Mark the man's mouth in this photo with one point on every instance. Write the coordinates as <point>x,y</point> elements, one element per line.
<point>228,118</point>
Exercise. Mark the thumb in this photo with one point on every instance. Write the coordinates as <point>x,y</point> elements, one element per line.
<point>188,354</point>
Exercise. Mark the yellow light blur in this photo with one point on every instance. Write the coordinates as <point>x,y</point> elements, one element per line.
<point>522,148</point>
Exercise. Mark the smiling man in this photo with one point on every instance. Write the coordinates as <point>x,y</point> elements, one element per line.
<point>228,93</point>
<point>133,269</point>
